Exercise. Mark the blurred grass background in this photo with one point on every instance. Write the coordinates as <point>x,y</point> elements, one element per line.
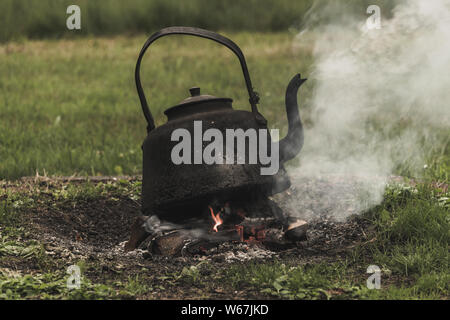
<point>47,18</point>
<point>71,107</point>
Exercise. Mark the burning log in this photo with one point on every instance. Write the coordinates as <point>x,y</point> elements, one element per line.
<point>190,241</point>
<point>251,233</point>
<point>209,241</point>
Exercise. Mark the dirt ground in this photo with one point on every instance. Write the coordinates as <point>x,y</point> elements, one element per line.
<point>93,229</point>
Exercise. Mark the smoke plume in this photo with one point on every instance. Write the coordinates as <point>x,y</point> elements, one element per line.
<point>380,99</point>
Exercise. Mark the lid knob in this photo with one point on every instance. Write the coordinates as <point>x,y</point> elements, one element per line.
<point>195,91</point>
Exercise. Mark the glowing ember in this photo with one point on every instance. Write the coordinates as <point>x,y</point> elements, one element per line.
<point>216,217</point>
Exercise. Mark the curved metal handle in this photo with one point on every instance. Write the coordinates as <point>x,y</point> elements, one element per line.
<point>254,98</point>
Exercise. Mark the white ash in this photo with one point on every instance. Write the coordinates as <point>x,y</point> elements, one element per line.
<point>236,252</point>
<point>119,250</point>
<point>249,253</point>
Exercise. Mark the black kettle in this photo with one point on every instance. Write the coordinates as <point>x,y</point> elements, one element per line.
<point>171,188</point>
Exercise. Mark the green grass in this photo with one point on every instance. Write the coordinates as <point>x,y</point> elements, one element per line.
<point>53,285</point>
<point>413,232</point>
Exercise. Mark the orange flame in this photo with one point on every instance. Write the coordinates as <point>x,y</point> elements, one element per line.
<point>216,218</point>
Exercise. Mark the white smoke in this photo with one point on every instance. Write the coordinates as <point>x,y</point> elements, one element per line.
<point>380,98</point>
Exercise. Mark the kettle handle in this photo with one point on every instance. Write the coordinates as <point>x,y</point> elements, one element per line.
<point>254,98</point>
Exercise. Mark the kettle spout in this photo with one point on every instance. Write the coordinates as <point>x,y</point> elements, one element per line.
<point>291,145</point>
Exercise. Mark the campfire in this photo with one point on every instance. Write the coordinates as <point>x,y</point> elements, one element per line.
<point>216,218</point>
<point>258,223</point>
<point>235,220</point>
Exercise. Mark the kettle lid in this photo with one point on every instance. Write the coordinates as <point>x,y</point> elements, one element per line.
<point>196,97</point>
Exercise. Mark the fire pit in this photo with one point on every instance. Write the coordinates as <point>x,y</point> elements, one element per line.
<point>259,223</point>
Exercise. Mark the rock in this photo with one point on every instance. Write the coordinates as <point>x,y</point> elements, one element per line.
<point>138,234</point>
<point>169,244</point>
<point>296,231</point>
